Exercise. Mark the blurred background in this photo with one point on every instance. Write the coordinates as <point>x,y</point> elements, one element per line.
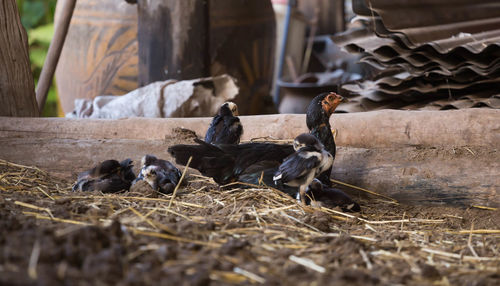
<point>388,55</point>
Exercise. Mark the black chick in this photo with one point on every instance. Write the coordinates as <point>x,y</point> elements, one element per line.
<point>318,114</point>
<point>225,127</point>
<point>309,160</point>
<point>160,174</point>
<point>109,176</point>
<point>324,196</point>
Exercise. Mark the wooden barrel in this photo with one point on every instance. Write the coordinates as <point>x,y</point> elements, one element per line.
<point>100,53</point>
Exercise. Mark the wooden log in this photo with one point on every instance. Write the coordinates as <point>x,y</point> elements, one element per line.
<point>449,157</point>
<point>375,129</point>
<point>417,175</point>
<point>172,39</point>
<point>17,92</point>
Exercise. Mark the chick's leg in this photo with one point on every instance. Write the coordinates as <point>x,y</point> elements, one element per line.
<point>302,191</point>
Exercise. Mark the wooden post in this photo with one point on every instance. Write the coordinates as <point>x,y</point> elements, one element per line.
<point>173,38</point>
<point>17,91</point>
<point>55,48</point>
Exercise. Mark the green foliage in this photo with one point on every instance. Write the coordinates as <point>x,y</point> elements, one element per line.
<point>42,34</point>
<point>37,17</point>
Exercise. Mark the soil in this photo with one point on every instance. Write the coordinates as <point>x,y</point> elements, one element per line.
<point>50,235</point>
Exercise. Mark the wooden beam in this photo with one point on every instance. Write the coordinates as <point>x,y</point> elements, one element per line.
<point>447,157</point>
<point>417,175</point>
<point>17,92</point>
<point>375,129</point>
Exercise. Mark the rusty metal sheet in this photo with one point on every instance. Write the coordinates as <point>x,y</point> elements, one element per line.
<point>362,104</point>
<point>447,53</point>
<point>426,21</point>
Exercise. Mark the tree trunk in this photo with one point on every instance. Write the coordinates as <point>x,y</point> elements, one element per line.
<point>17,90</point>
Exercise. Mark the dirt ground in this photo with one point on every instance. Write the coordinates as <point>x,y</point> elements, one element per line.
<point>207,235</point>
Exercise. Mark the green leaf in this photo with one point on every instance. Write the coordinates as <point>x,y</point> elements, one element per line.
<point>37,57</point>
<point>33,12</point>
<point>42,34</point>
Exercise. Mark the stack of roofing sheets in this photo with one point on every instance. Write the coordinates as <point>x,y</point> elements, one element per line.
<point>435,54</point>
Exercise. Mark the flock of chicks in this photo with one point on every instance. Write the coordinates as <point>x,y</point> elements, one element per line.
<point>301,170</point>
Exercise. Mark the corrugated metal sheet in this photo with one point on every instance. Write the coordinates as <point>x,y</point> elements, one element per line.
<point>446,53</point>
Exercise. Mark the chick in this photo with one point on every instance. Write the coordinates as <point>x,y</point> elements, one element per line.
<point>108,177</point>
<point>226,127</point>
<point>320,195</point>
<point>309,160</point>
<point>160,174</point>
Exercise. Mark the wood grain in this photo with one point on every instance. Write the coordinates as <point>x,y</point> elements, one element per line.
<point>100,53</point>
<point>416,157</point>
<point>374,129</point>
<point>452,176</point>
<point>17,91</point>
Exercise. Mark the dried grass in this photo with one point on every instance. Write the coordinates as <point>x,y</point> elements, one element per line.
<point>270,220</point>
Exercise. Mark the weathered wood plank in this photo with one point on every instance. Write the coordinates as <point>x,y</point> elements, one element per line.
<point>17,90</point>
<point>377,129</point>
<point>456,176</point>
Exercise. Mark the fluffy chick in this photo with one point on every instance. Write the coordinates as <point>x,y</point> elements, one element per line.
<point>226,127</point>
<point>320,195</point>
<point>309,160</point>
<point>109,176</point>
<point>160,174</point>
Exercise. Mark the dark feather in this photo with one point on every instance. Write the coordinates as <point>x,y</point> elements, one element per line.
<point>108,177</point>
<point>295,167</point>
<point>330,197</point>
<point>225,128</point>
<point>316,116</point>
<point>225,163</point>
